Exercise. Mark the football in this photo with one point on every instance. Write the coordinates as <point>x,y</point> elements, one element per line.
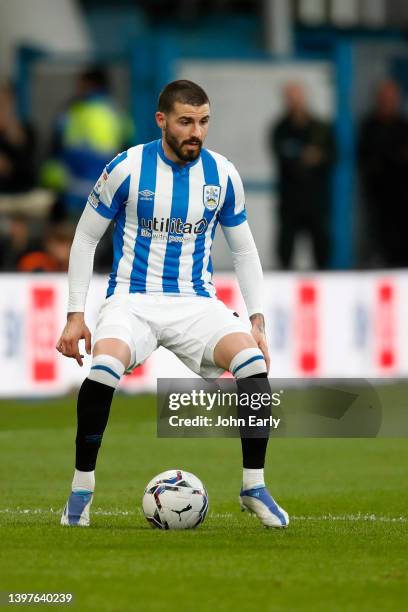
<point>175,500</point>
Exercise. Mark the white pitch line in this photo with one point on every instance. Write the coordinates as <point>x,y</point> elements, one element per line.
<point>354,518</point>
<point>97,511</point>
<point>116,513</point>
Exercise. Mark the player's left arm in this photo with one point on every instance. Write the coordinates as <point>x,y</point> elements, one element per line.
<point>247,265</point>
<point>248,270</point>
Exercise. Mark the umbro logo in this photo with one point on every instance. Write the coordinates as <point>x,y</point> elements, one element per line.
<point>146,194</point>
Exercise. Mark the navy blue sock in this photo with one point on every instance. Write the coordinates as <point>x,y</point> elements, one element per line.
<point>254,440</point>
<point>94,401</point>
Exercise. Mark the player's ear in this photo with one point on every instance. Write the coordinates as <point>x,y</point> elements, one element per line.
<point>161,120</point>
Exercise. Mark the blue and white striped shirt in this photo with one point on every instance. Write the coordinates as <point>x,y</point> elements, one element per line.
<point>165,218</point>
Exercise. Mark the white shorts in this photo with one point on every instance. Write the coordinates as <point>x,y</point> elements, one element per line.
<point>189,327</point>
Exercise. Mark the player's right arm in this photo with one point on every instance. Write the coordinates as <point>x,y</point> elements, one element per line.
<point>104,202</point>
<point>90,229</point>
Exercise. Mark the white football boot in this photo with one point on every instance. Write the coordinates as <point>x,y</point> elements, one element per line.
<point>260,502</point>
<point>76,511</point>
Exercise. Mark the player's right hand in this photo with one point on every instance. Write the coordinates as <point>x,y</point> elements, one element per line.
<point>74,331</point>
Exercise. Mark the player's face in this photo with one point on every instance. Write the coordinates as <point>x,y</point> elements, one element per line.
<point>185,129</point>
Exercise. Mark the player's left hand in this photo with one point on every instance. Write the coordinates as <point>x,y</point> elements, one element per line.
<point>258,333</point>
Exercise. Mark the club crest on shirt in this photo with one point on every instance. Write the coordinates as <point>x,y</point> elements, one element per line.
<point>211,196</point>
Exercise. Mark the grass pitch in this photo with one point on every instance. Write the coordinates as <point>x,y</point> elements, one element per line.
<point>346,548</point>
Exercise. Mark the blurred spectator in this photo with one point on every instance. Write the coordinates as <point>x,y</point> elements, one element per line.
<point>305,151</point>
<point>16,147</point>
<point>15,242</point>
<point>383,158</point>
<point>89,133</point>
<point>54,255</point>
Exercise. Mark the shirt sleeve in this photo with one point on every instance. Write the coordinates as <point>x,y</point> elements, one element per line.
<point>233,210</point>
<point>90,229</point>
<point>111,190</point>
<point>247,266</point>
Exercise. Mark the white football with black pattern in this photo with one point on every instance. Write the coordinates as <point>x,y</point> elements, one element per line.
<point>175,499</point>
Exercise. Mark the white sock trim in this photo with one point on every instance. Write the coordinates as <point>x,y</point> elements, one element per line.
<point>248,362</point>
<point>107,370</point>
<point>252,478</point>
<point>83,481</point>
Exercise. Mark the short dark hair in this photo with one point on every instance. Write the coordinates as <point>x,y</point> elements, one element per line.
<point>182,91</point>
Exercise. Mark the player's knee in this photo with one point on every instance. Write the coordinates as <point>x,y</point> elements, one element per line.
<point>107,370</point>
<point>116,347</point>
<point>248,362</point>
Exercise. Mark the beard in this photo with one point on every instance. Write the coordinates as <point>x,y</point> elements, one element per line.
<point>177,147</point>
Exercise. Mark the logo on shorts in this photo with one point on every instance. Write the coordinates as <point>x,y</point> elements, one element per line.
<point>146,195</point>
<point>211,196</point>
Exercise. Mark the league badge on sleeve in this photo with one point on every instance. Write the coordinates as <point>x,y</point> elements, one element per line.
<point>100,183</point>
<point>93,200</point>
<point>211,196</point>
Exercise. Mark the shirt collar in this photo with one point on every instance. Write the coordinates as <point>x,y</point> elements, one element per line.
<point>170,162</point>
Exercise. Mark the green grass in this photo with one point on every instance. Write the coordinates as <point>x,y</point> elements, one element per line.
<point>343,561</point>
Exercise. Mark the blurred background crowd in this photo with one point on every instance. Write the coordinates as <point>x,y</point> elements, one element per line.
<point>326,187</point>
